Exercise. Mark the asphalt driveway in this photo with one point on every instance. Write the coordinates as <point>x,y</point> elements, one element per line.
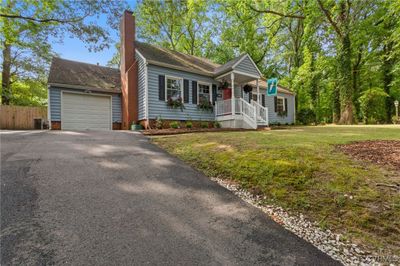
<point>113,198</point>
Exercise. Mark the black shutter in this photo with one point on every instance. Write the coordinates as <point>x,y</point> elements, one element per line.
<point>161,87</point>
<point>185,90</point>
<point>286,106</point>
<point>250,96</point>
<point>276,103</point>
<point>263,100</point>
<point>214,93</point>
<point>194,92</point>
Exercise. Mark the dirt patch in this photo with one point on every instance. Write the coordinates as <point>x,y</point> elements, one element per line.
<point>381,152</point>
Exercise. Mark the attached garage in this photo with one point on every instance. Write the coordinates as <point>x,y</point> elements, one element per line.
<point>83,96</point>
<point>84,111</point>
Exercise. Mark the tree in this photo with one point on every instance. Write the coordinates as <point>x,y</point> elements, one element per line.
<point>26,27</point>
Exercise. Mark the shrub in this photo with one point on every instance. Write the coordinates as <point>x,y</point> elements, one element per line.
<point>204,124</point>
<point>159,122</point>
<point>217,124</point>
<point>396,120</point>
<point>174,124</point>
<point>372,105</point>
<point>189,124</point>
<point>306,116</point>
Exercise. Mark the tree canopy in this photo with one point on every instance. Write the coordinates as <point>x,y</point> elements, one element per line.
<point>26,29</point>
<point>329,52</point>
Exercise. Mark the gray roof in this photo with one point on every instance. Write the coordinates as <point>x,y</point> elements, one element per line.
<point>174,59</point>
<point>83,75</point>
<point>228,66</point>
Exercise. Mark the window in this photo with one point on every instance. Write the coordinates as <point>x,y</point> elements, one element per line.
<point>173,88</point>
<point>204,92</point>
<point>254,97</point>
<point>280,104</point>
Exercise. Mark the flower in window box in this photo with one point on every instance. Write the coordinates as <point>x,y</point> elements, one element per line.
<point>205,105</point>
<point>175,103</point>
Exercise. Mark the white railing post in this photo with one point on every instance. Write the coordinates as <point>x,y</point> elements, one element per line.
<point>233,93</point>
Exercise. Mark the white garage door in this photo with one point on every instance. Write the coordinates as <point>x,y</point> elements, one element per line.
<point>84,111</point>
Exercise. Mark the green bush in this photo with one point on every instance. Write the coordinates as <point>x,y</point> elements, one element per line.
<point>204,124</point>
<point>217,124</point>
<point>372,105</point>
<point>189,124</point>
<point>306,116</point>
<point>396,120</point>
<point>174,124</point>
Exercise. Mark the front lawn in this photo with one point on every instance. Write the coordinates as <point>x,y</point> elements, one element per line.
<point>301,170</point>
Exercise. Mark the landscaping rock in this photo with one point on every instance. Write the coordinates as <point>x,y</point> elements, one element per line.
<point>325,240</point>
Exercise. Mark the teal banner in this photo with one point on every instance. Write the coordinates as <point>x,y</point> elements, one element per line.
<point>272,87</point>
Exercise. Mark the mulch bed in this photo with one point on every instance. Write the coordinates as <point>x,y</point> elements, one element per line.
<point>174,131</point>
<point>381,152</point>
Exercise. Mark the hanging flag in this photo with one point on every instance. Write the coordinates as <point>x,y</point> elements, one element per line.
<point>272,87</point>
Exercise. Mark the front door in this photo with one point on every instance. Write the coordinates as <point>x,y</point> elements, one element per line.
<point>227,94</point>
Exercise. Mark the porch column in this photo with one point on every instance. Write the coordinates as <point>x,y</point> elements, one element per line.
<point>233,92</point>
<point>258,92</point>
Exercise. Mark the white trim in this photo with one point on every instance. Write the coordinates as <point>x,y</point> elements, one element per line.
<point>48,107</point>
<point>209,90</point>
<point>82,93</point>
<point>140,55</point>
<point>239,73</point>
<point>223,75</point>
<point>69,86</point>
<point>246,74</point>
<point>176,78</point>
<point>281,97</point>
<point>146,94</point>
<point>254,64</point>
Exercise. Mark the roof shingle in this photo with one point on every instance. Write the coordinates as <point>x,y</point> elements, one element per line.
<point>94,77</point>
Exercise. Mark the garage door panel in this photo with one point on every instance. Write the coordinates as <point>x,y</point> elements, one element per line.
<point>81,111</point>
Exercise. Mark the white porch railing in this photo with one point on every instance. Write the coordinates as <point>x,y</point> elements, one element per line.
<point>262,113</point>
<point>243,111</point>
<point>223,107</point>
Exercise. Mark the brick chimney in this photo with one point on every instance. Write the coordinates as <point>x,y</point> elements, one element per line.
<point>129,70</point>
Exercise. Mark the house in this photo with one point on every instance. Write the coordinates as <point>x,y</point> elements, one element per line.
<point>157,82</point>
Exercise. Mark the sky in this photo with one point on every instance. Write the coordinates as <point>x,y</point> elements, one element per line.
<point>74,49</point>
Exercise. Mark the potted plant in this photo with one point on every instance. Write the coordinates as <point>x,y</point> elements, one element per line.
<point>224,84</point>
<point>205,105</point>
<point>175,103</point>
<point>247,88</point>
<point>135,126</point>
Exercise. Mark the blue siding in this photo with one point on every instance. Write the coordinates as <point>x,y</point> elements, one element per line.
<point>159,108</point>
<point>141,87</point>
<point>55,103</point>
<point>273,116</point>
<point>247,66</point>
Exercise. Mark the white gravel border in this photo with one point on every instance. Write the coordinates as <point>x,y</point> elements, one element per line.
<point>325,240</point>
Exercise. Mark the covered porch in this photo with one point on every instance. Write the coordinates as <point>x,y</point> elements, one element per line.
<point>235,107</point>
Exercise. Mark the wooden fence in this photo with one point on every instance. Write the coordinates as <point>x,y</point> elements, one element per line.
<point>20,117</point>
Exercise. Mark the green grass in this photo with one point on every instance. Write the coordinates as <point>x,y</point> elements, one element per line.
<point>300,170</point>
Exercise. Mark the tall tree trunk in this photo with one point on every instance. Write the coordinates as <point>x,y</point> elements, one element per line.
<point>346,88</point>
<point>336,104</point>
<point>6,75</point>
<point>356,80</point>
<point>387,68</point>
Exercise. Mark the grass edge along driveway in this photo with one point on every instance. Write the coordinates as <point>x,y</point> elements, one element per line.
<point>300,170</point>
